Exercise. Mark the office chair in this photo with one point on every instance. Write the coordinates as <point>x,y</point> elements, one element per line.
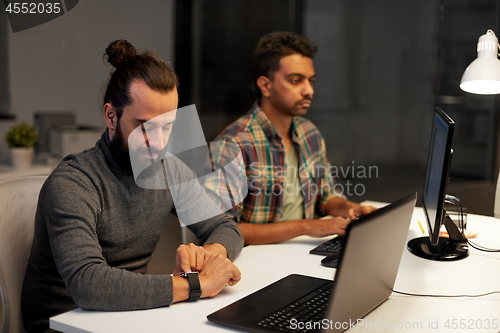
<point>18,200</point>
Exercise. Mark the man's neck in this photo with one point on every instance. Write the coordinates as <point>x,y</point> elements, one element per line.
<point>281,122</point>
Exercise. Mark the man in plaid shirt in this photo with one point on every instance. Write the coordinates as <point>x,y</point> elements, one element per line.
<point>288,174</point>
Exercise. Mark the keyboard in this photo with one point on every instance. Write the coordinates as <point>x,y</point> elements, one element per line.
<point>331,246</point>
<point>310,308</point>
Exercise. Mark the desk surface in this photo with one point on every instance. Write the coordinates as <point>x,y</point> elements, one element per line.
<point>474,275</point>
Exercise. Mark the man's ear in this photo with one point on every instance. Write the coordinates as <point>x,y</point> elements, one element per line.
<point>264,85</point>
<point>110,116</point>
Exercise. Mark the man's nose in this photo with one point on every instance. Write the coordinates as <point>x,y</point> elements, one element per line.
<point>154,138</point>
<point>308,89</point>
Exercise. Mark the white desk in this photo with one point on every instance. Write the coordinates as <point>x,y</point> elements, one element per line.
<point>261,265</point>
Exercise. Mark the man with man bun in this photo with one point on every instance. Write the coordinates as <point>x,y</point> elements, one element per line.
<point>95,228</point>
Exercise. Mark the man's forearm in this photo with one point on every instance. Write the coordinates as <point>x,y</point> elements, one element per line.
<point>220,230</point>
<point>272,232</point>
<point>216,248</point>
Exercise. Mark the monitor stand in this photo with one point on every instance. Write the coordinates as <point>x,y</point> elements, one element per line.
<point>452,248</point>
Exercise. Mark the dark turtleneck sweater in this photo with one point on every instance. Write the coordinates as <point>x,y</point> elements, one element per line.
<point>95,231</point>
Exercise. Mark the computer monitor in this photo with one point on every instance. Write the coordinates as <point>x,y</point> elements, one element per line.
<point>435,247</point>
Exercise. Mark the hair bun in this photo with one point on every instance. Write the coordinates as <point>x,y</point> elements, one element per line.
<point>119,52</point>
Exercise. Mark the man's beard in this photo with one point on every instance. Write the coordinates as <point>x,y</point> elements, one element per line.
<point>120,152</point>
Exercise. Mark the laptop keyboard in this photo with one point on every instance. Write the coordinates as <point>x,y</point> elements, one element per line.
<point>310,308</point>
<point>331,246</point>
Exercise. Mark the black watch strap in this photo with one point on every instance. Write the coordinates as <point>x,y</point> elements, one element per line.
<point>194,285</point>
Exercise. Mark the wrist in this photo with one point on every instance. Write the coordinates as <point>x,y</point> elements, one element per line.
<point>193,279</point>
<point>180,288</point>
<point>305,227</point>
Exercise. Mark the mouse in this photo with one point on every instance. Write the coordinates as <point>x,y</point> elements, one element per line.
<point>331,260</point>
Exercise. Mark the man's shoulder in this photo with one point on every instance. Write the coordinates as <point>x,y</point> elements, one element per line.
<point>238,130</point>
<point>82,167</point>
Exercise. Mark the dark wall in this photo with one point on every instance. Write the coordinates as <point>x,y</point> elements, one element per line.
<point>375,66</point>
<point>216,74</point>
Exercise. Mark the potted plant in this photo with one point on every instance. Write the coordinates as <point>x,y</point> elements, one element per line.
<point>20,138</point>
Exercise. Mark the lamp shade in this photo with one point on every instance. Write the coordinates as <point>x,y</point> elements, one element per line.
<point>483,74</point>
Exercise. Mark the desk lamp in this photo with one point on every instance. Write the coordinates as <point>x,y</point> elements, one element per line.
<point>483,74</point>
<point>483,77</point>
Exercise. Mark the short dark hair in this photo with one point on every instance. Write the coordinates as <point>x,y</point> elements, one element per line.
<point>130,65</point>
<point>274,46</point>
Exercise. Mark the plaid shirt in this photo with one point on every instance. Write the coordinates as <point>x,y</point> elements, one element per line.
<point>264,158</point>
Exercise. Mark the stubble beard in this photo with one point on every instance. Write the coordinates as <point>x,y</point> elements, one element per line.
<point>120,152</point>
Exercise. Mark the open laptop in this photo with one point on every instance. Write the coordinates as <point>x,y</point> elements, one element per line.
<point>366,273</point>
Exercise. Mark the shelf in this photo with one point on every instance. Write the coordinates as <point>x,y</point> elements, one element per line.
<point>7,171</point>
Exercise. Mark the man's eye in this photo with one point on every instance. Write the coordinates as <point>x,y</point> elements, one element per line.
<point>166,127</point>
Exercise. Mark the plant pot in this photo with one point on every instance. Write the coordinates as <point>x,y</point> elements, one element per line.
<point>22,157</point>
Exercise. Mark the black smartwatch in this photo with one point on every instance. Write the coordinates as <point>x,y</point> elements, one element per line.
<point>194,285</point>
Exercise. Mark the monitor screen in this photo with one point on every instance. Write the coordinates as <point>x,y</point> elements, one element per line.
<point>433,247</point>
<point>438,167</point>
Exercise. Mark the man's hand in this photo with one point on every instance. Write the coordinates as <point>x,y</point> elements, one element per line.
<point>357,210</point>
<point>215,269</point>
<point>268,233</point>
<point>348,209</point>
<point>190,258</point>
<point>217,272</point>
<point>326,227</point>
